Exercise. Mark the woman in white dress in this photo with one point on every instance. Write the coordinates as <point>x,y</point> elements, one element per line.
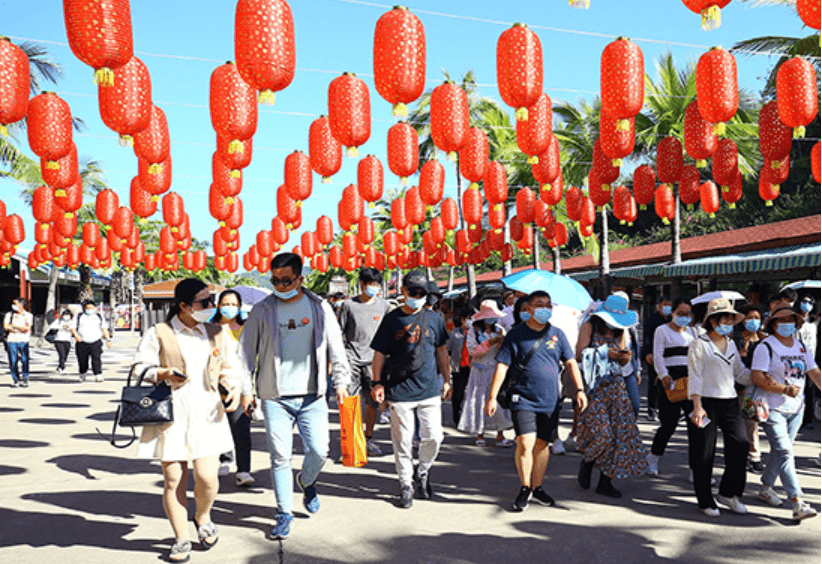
<point>192,357</point>
<point>483,340</point>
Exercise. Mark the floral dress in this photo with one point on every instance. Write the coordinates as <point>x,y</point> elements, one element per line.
<point>608,433</point>
<point>483,364</point>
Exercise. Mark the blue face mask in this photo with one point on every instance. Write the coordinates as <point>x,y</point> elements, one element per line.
<point>785,329</point>
<point>753,325</point>
<point>724,329</point>
<point>682,320</point>
<point>415,303</point>
<point>286,295</point>
<point>372,291</point>
<point>666,310</point>
<point>229,312</point>
<point>807,307</point>
<point>524,315</point>
<point>542,314</point>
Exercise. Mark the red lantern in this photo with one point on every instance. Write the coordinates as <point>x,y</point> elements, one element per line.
<point>588,213</point>
<point>774,136</point>
<point>547,168</point>
<point>664,203</point>
<point>717,89</point>
<point>307,243</point>
<point>399,58</point>
<point>669,161</point>
<point>709,196</point>
<point>586,230</point>
<point>352,204</point>
<point>711,11</point>
<point>325,230</point>
<point>106,204</point>
<point>725,162</point>
<point>449,118</point>
<point>235,220</point>
<point>525,205</point>
<point>496,216</point>
<point>644,185</point>
<point>815,161</point>
<point>370,179</point>
<point>43,205</point>
<point>551,193</point>
<point>472,207</point>
<point>101,250</point>
<point>123,222</point>
<point>125,105</point>
<point>155,178</point>
<point>349,243</point>
<point>809,12</point>
<point>474,156</point>
<point>42,233</point>
<point>14,84</point>
<point>437,230</point>
<point>365,231</point>
<point>91,234</point>
<point>526,244</point>
<point>99,34</point>
<point>414,206</point>
<point>732,193</point>
<point>324,151</point>
<point>767,190</point>
<point>71,198</point>
<point>403,151</point>
<point>622,203</point>
<point>228,182</point>
<point>86,254</point>
<point>49,128</point>
<point>188,261</point>
<point>700,139</point>
<point>233,104</point>
<point>616,136</point>
<point>173,210</point>
<point>779,173</point>
<point>796,95</point>
<point>573,203</point>
<point>432,182</point>
<point>66,172</point>
<point>607,171</point>
<point>298,176</point>
<point>235,157</point>
<point>496,183</point>
<point>140,201</point>
<point>398,218</point>
<point>349,111</point>
<point>475,233</point>
<point>519,68</point>
<point>542,214</point>
<point>450,214</point>
<point>599,192</point>
<point>264,45</point>
<point>534,134</point>
<point>689,193</point>
<point>390,243</point>
<point>218,206</point>
<point>622,79</point>
<point>152,144</point>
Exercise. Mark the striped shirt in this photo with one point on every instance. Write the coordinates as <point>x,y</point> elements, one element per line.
<point>671,351</point>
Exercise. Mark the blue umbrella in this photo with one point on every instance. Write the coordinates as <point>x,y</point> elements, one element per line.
<point>563,290</point>
<point>251,295</point>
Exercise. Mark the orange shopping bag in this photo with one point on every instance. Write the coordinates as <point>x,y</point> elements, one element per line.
<point>352,438</point>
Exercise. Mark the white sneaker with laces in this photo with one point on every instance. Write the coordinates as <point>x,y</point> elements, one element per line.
<point>769,496</point>
<point>98,377</point>
<point>732,503</point>
<point>244,479</point>
<point>557,447</point>
<point>802,510</point>
<point>710,512</point>
<point>385,417</point>
<point>224,470</point>
<point>373,448</point>
<point>653,464</point>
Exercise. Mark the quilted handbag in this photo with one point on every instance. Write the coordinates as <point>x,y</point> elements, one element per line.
<point>142,405</point>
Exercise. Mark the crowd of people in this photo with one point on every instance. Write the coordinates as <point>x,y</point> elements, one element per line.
<point>504,367</point>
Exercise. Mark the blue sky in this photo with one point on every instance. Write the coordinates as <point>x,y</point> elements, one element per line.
<point>182,42</point>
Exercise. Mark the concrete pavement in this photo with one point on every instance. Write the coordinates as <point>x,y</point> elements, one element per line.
<point>67,493</point>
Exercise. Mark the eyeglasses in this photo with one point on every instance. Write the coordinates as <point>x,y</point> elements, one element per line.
<point>205,301</point>
<point>283,281</point>
<point>417,293</point>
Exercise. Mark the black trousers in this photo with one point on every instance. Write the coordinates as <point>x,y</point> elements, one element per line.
<point>669,414</point>
<point>62,348</point>
<point>241,432</point>
<point>726,415</point>
<point>93,350</point>
<point>652,388</point>
<point>459,380</point>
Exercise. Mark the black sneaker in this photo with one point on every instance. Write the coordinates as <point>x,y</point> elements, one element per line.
<point>605,487</point>
<point>541,497</point>
<point>521,503</point>
<point>584,476</point>
<point>423,485</point>
<point>756,466</point>
<point>406,497</point>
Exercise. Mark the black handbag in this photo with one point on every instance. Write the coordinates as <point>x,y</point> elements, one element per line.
<point>51,336</point>
<point>142,406</point>
<point>512,375</point>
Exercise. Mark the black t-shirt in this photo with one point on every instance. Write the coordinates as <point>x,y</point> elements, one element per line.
<point>393,340</point>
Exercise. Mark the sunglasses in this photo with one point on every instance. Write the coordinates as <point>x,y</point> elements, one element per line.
<point>417,293</point>
<point>282,281</point>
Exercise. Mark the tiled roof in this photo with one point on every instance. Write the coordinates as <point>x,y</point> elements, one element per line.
<point>165,289</point>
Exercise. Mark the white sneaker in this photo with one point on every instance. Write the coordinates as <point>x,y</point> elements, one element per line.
<point>224,469</point>
<point>653,464</point>
<point>385,417</point>
<point>802,510</point>
<point>557,447</point>
<point>373,448</point>
<point>769,496</point>
<point>81,377</point>
<point>98,377</point>
<point>732,503</point>
<point>244,479</point>
<point>59,370</point>
<point>710,512</point>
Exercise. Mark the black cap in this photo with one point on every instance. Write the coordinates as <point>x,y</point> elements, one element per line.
<point>415,280</point>
<point>433,288</point>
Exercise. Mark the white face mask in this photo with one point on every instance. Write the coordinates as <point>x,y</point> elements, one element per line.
<point>203,315</point>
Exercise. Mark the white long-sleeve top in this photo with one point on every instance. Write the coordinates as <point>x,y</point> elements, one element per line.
<point>712,373</point>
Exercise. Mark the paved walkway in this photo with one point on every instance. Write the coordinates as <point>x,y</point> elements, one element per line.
<point>67,493</point>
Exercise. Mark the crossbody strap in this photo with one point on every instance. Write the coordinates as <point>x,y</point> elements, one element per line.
<point>533,350</point>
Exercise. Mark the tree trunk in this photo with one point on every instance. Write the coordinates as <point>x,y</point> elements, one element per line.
<point>450,278</point>
<point>86,293</point>
<point>557,261</point>
<point>115,291</point>
<point>535,250</point>
<point>51,297</point>
<point>676,249</point>
<point>506,266</point>
<point>470,273</point>
<point>604,256</point>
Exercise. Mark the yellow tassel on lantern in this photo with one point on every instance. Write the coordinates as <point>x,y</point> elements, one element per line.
<point>68,215</point>
<point>104,77</point>
<point>325,180</point>
<point>371,205</point>
<point>643,207</point>
<point>799,132</point>
<point>521,114</point>
<point>155,198</point>
<point>399,110</point>
<point>700,163</point>
<point>623,125</point>
<point>451,156</point>
<point>616,162</point>
<point>606,187</point>
<point>236,146</point>
<point>155,168</point>
<point>59,193</point>
<point>229,201</point>
<point>711,215</point>
<point>52,165</point>
<point>732,206</point>
<point>719,128</point>
<point>769,203</point>
<point>580,4</point>
<point>298,203</point>
<point>711,18</point>
<point>126,141</point>
<point>44,226</point>
<point>351,152</point>
<point>222,224</point>
<point>666,221</point>
<point>289,226</point>
<point>690,207</point>
<point>236,173</point>
<point>266,97</point>
<point>174,230</point>
<point>726,188</point>
<point>622,222</point>
<point>473,186</point>
<point>3,130</point>
<point>533,160</point>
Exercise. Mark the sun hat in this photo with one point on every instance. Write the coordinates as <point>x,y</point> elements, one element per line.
<point>781,310</point>
<point>720,306</point>
<point>488,309</point>
<point>614,311</point>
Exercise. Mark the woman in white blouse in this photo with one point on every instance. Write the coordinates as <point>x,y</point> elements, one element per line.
<point>193,357</point>
<point>714,365</point>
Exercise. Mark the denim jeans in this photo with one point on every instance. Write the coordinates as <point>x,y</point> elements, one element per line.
<point>310,413</point>
<point>18,352</point>
<point>781,429</point>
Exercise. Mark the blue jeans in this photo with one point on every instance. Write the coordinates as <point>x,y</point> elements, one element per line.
<point>18,352</point>
<point>310,413</point>
<point>781,429</point>
<point>633,393</point>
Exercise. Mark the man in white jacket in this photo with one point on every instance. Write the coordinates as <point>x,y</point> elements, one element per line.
<point>287,344</point>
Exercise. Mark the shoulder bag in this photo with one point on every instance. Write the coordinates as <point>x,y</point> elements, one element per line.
<point>679,391</point>
<point>512,375</point>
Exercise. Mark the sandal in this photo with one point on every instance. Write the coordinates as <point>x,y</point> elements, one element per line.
<point>206,531</point>
<point>180,551</point>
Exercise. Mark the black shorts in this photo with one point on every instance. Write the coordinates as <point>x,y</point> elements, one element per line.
<point>542,423</point>
<point>361,382</point>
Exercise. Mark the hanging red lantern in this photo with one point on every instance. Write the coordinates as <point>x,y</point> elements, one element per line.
<point>123,222</point>
<point>779,173</point>
<point>125,105</point>
<point>264,45</point>
<point>152,144</point>
<point>155,178</point>
<point>709,196</point>
<point>717,88</point>
<point>414,206</point>
<point>73,256</point>
<point>85,254</point>
<point>449,212</point>
<point>546,170</point>
<point>64,174</point>
<point>496,184</point>
<point>49,128</point>
<point>107,203</point>
<point>432,182</point>
<point>573,203</point>
<point>526,244</point>
<point>815,161</point>
<point>114,242</point>
<point>173,210</point>
<point>551,193</point>
<point>325,230</point>
<point>14,84</point>
<point>335,256</point>
<point>241,155</point>
<point>254,255</point>
<point>449,118</point>
<point>644,185</point>
<point>403,151</point>
<point>233,105</point>
<point>390,243</point>
<point>622,203</point>
<point>700,139</point>
<point>235,219</point>
<point>298,179</point>
<point>534,134</point>
<point>91,234</point>
<point>428,244</point>
<point>70,199</point>
<point>218,244</point>
<point>732,193</point>
<point>496,216</point>
<point>228,182</point>
<point>689,193</point>
<point>349,112</point>
<point>767,190</point>
<point>42,233</point>
<point>287,208</point>
<point>796,95</point>
<point>669,160</point>
<point>665,203</point>
<point>474,157</point>
<point>352,204</point>
<point>14,232</point>
<point>586,230</point>
<point>307,244</point>
<point>133,237</point>
<point>622,79</point>
<point>370,178</point>
<point>321,263</point>
<point>472,207</point>
<point>725,162</point>
<point>232,262</point>
<point>219,263</point>
<point>399,58</point>
<point>461,241</point>
<point>437,230</point>
<point>598,191</point>
<point>188,261</point>
<point>507,252</point>
<point>588,213</point>
<point>616,136</point>
<point>349,244</point>
<point>774,136</point>
<point>102,250</point>
<point>365,230</point>
<point>324,151</point>
<point>809,12</point>
<point>525,205</point>
<point>43,205</point>
<point>519,68</point>
<point>140,201</point>
<point>711,11</point>
<point>398,218</point>
<point>607,172</point>
<point>99,34</point>
<point>542,214</point>
<point>218,206</point>
<point>475,233</point>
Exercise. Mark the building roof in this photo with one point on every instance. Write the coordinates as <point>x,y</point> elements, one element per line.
<point>799,231</point>
<point>164,290</point>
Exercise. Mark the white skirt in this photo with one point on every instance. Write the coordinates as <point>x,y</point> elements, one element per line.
<point>473,418</point>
